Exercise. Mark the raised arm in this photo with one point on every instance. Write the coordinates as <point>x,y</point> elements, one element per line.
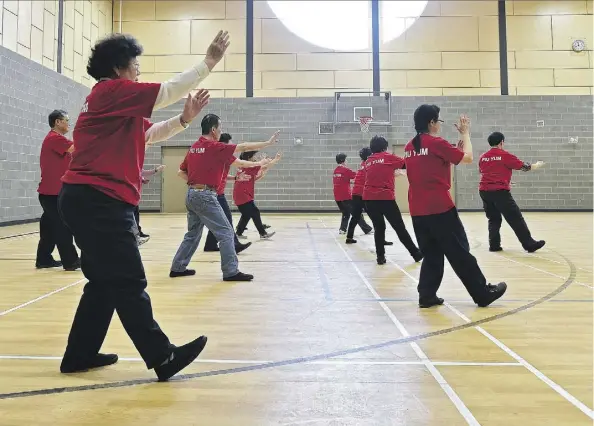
<point>526,167</point>
<point>256,146</point>
<point>177,87</point>
<point>463,127</point>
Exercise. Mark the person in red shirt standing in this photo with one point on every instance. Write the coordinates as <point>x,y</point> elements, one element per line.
<point>211,244</point>
<point>244,190</point>
<point>203,168</point>
<point>357,204</point>
<point>380,198</point>
<point>496,167</point>
<point>100,191</point>
<point>54,159</point>
<point>437,225</point>
<point>341,180</point>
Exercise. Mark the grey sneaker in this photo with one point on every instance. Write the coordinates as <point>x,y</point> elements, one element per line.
<point>267,236</point>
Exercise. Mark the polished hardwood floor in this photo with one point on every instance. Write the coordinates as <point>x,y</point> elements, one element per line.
<point>322,336</point>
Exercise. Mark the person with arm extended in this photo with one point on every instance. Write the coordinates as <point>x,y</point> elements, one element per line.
<point>341,182</point>
<point>244,192</point>
<point>496,167</point>
<point>203,168</point>
<point>380,198</point>
<point>437,226</point>
<point>100,191</point>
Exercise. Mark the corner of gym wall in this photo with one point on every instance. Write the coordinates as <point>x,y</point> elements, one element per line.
<point>30,28</point>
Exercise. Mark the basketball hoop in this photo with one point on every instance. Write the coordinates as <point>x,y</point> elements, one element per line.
<point>364,122</point>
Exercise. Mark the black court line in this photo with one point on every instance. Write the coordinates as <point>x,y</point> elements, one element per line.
<point>24,234</point>
<point>303,360</point>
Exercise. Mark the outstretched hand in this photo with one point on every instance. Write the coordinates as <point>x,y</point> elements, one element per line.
<point>216,50</point>
<point>463,125</point>
<point>274,138</point>
<point>195,104</point>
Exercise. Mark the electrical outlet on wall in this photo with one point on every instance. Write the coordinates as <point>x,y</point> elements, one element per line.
<point>573,140</point>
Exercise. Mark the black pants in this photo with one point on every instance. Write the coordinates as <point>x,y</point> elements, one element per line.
<point>103,228</point>
<point>357,206</point>
<point>53,232</point>
<point>211,241</point>
<point>498,203</point>
<point>137,218</point>
<point>346,209</point>
<point>377,211</point>
<point>249,211</point>
<point>442,235</point>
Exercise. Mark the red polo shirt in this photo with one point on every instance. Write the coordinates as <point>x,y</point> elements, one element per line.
<point>223,184</point>
<point>244,186</point>
<point>206,161</point>
<point>341,179</point>
<point>53,161</point>
<point>359,182</point>
<point>379,176</point>
<point>496,167</point>
<point>109,139</point>
<point>429,175</point>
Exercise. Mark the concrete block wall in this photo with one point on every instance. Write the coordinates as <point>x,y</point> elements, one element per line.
<point>28,93</point>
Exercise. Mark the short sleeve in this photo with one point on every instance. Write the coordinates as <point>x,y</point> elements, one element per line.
<point>351,174</point>
<point>512,162</point>
<point>133,99</point>
<point>184,165</point>
<point>444,150</point>
<point>396,162</point>
<point>59,144</point>
<point>147,124</point>
<point>225,153</point>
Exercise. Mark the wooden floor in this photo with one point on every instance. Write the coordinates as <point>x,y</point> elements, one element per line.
<point>322,336</point>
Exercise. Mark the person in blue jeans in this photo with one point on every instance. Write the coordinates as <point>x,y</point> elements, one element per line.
<point>203,168</point>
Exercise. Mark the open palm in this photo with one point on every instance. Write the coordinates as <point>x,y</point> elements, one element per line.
<point>195,104</point>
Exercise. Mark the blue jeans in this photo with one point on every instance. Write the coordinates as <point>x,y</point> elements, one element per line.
<point>204,209</point>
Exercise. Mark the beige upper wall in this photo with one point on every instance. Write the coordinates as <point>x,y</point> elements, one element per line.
<point>30,27</point>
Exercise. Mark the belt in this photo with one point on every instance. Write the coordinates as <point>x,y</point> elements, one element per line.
<point>201,187</point>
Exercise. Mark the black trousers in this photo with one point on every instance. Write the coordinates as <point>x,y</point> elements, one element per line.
<point>357,207</point>
<point>103,228</point>
<point>346,208</point>
<point>137,218</point>
<point>53,232</point>
<point>211,241</point>
<point>249,211</point>
<point>377,211</point>
<point>442,235</point>
<point>501,203</point>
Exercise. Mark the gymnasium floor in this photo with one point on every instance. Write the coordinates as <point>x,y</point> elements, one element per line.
<point>323,336</point>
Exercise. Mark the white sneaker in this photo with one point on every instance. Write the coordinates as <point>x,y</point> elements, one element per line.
<point>341,232</point>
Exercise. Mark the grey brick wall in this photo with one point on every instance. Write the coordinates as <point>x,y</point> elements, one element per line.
<point>28,93</point>
<point>302,180</point>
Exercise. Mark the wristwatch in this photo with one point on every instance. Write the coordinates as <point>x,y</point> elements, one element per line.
<point>184,123</point>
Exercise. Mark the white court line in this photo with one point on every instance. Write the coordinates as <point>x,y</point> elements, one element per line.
<point>41,297</point>
<point>557,388</point>
<point>458,403</point>
<point>328,362</point>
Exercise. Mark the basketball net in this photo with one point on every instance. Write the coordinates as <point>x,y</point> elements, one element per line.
<point>364,122</point>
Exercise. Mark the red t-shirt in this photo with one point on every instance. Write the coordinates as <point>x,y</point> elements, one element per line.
<point>53,161</point>
<point>429,175</point>
<point>496,167</point>
<point>244,186</point>
<point>223,184</point>
<point>379,176</point>
<point>341,179</point>
<point>109,138</point>
<point>206,162</point>
<point>359,183</point>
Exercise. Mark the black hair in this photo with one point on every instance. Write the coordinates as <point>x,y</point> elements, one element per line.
<point>495,138</point>
<point>208,122</point>
<point>424,115</point>
<point>247,155</point>
<point>364,153</point>
<point>378,144</point>
<point>55,115</point>
<point>225,138</point>
<point>113,51</point>
<point>340,158</point>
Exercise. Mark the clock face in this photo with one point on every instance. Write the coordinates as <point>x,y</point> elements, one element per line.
<point>578,45</point>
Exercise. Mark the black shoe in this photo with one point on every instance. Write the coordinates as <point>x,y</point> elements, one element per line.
<point>369,232</point>
<point>428,303</point>
<point>182,357</point>
<point>351,241</point>
<point>495,248</point>
<point>143,235</point>
<point>266,226</point>
<point>494,292</point>
<point>240,276</point>
<point>242,247</point>
<point>73,267</point>
<point>51,264</point>
<point>388,243</point>
<point>418,256</point>
<point>100,360</point>
<point>211,249</point>
<point>186,273</point>
<point>537,245</point>
<point>381,260</point>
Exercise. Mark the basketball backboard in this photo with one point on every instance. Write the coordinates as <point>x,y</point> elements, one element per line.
<point>350,106</point>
